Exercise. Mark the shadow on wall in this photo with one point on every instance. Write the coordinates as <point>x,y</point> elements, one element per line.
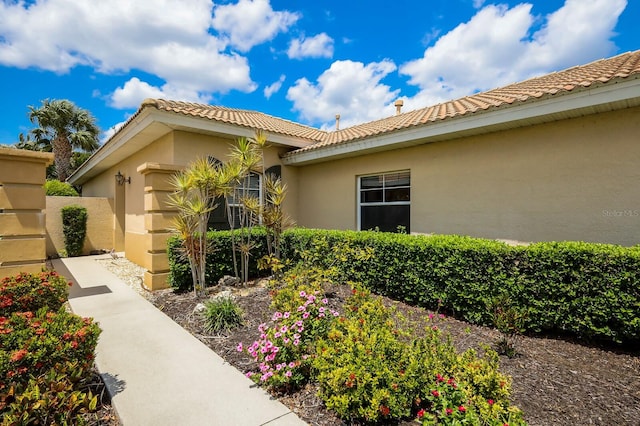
<point>99,223</point>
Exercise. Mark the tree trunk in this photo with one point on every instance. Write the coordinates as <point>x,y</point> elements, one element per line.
<point>62,151</point>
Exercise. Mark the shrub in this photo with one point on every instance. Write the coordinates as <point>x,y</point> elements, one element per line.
<point>370,369</point>
<point>585,290</point>
<point>219,259</point>
<point>286,346</point>
<point>63,189</point>
<point>50,398</point>
<point>74,227</point>
<point>46,354</point>
<point>221,315</point>
<point>579,289</point>
<point>30,292</point>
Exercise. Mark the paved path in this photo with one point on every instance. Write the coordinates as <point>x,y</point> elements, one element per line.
<point>157,373</point>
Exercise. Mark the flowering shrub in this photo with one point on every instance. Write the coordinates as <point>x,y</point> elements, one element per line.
<point>32,343</point>
<point>46,353</point>
<point>30,292</point>
<point>284,349</point>
<point>369,370</point>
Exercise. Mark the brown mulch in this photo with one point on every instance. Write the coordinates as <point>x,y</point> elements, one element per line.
<point>555,382</point>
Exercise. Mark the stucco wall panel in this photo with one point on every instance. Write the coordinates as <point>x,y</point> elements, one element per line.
<point>571,180</point>
<point>21,197</point>
<point>99,223</point>
<point>16,224</point>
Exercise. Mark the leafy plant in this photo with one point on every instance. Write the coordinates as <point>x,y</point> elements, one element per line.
<point>30,292</point>
<point>74,228</point>
<point>221,314</point>
<point>195,193</point>
<point>57,188</point>
<point>510,321</point>
<point>285,348</point>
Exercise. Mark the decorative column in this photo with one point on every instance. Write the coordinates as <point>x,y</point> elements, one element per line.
<point>157,222</point>
<point>22,210</point>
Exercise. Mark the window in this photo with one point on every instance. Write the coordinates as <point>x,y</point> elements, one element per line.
<point>218,219</point>
<point>385,201</point>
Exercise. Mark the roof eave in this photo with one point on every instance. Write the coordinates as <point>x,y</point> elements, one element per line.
<point>149,124</point>
<point>621,94</point>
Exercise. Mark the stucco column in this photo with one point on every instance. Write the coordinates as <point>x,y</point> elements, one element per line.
<point>22,206</point>
<point>157,222</point>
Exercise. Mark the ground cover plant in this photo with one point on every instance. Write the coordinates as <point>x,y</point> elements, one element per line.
<point>46,356</point>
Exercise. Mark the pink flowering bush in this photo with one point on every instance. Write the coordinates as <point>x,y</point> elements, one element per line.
<point>284,349</point>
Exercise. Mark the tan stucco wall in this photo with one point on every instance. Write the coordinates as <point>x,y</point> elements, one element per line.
<point>189,146</point>
<point>573,180</point>
<point>99,223</point>
<point>22,216</point>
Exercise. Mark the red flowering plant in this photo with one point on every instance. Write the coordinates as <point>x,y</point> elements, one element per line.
<point>30,343</point>
<point>30,292</point>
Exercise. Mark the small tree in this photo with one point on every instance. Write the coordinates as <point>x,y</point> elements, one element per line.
<point>196,190</point>
<point>74,227</point>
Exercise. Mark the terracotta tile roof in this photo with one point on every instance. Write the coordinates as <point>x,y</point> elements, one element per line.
<point>600,72</point>
<point>239,117</point>
<point>555,84</point>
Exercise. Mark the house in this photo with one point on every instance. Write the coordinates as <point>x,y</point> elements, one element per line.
<point>555,157</point>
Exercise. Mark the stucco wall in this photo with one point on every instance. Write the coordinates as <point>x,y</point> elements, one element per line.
<point>573,180</point>
<point>99,223</point>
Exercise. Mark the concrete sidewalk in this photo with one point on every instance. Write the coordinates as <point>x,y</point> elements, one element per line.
<point>156,372</point>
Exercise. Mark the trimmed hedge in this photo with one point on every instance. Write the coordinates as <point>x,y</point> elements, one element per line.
<point>219,259</point>
<point>74,228</point>
<point>585,290</point>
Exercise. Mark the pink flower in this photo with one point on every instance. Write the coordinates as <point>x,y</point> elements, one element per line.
<point>305,315</point>
<point>435,393</point>
<point>239,347</point>
<point>462,409</point>
<point>325,301</point>
<point>421,413</point>
<point>490,401</point>
<point>288,373</point>
<point>292,364</point>
<point>249,373</point>
<point>286,315</point>
<point>303,293</point>
<point>449,411</point>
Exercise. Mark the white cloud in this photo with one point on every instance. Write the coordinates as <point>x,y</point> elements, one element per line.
<point>351,89</point>
<point>498,46</point>
<point>318,46</point>
<point>134,91</point>
<point>478,3</point>
<point>251,22</point>
<point>274,87</point>
<point>171,39</point>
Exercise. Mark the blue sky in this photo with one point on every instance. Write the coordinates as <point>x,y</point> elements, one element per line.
<point>303,61</point>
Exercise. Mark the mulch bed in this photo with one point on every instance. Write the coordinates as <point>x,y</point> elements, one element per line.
<point>554,381</point>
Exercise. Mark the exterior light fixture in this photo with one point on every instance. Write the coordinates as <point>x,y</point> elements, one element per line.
<point>120,179</point>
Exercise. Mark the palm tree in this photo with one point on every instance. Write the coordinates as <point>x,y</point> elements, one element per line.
<point>64,126</point>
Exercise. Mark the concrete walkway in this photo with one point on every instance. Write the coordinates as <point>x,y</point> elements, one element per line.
<point>156,372</point>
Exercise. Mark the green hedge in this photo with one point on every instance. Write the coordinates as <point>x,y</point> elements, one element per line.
<point>590,291</point>
<point>219,260</point>
<point>61,189</point>
<point>74,228</point>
